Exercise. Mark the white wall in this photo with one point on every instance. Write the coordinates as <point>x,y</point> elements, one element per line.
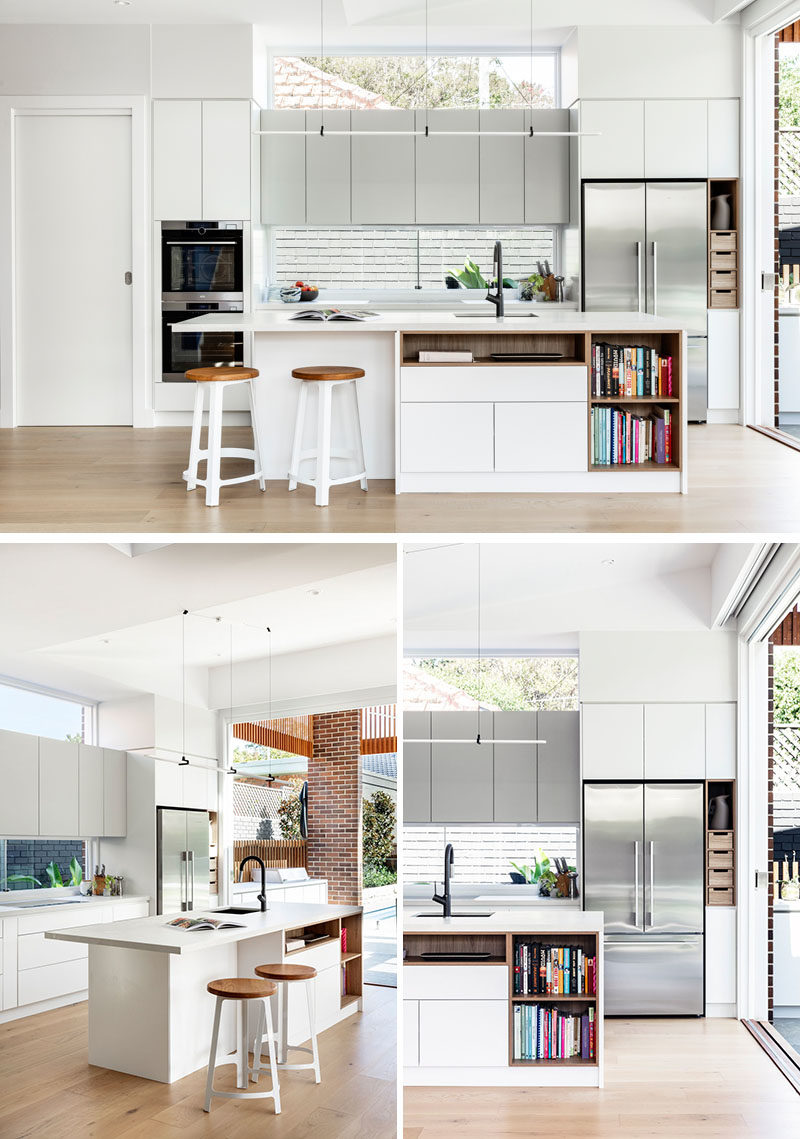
<point>203,61</point>
<point>659,667</point>
<point>126,724</point>
<point>155,724</point>
<point>76,59</point>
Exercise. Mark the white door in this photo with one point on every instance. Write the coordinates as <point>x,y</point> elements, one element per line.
<point>73,249</point>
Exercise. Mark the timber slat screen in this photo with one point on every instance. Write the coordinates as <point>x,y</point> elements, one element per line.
<point>294,734</point>
<point>379,730</point>
<point>280,852</point>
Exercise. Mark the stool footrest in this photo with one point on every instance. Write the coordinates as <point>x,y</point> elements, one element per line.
<point>332,482</point>
<point>225,482</point>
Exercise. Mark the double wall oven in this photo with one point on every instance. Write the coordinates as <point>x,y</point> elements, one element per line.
<point>202,270</point>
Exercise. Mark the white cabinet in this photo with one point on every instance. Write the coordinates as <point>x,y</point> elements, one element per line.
<point>720,741</point>
<point>547,168</point>
<point>168,788</point>
<point>723,138</point>
<point>558,771</point>
<point>502,168</point>
<point>115,795</point>
<point>416,765</point>
<point>90,791</point>
<point>227,137</point>
<point>515,768</point>
<point>541,437</point>
<point>618,150</point>
<point>675,138</point>
<point>613,741</point>
<point>456,1034</point>
<point>283,169</point>
<point>720,947</point>
<point>58,787</point>
<point>195,787</point>
<point>455,982</point>
<point>177,159</point>
<point>674,741</point>
<point>19,778</point>
<point>462,774</point>
<point>447,168</point>
<point>410,1034</point>
<point>191,786</point>
<point>723,359</point>
<point>327,169</point>
<point>447,437</point>
<point>52,981</point>
<point>383,190</point>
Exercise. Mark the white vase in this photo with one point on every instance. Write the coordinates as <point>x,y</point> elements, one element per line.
<point>721,211</point>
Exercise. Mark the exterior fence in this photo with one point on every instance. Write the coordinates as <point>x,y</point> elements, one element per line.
<point>789,162</point>
<point>281,852</point>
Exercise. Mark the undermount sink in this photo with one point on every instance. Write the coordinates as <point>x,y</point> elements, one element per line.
<point>441,915</point>
<point>491,316</point>
<point>237,910</point>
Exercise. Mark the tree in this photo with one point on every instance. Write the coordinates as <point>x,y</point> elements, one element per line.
<point>789,91</point>
<point>786,685</point>
<point>379,828</point>
<point>289,812</point>
<point>511,683</point>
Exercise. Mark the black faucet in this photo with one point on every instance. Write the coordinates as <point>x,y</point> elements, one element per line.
<point>445,899</point>
<point>497,298</point>
<point>262,897</point>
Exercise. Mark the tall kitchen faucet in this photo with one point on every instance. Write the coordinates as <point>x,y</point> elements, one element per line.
<point>496,298</point>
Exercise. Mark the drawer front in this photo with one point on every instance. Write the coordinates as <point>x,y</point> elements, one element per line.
<point>52,981</point>
<point>34,950</point>
<point>410,1034</point>
<point>501,384</point>
<point>721,260</point>
<point>541,437</point>
<point>65,918</point>
<point>319,957</point>
<point>722,298</point>
<point>455,982</point>
<point>723,278</point>
<point>720,860</point>
<point>723,240</point>
<point>327,1003</point>
<point>720,840</point>
<point>442,437</point>
<point>717,878</point>
<point>720,897</point>
<point>456,1035</point>
<point>124,911</point>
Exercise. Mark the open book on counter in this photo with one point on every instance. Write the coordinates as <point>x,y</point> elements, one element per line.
<point>334,314</point>
<point>204,923</point>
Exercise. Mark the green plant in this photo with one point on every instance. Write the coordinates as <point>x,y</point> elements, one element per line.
<point>22,878</point>
<point>470,277</point>
<point>533,874</point>
<point>547,881</point>
<point>377,876</point>
<point>54,874</point>
<point>379,825</point>
<point>289,812</point>
<point>75,872</point>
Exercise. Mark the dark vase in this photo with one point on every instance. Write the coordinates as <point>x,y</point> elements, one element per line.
<point>516,878</point>
<point>719,813</point>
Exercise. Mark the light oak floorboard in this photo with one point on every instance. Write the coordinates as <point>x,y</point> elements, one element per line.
<point>117,479</point>
<point>686,1079</point>
<point>48,1090</point>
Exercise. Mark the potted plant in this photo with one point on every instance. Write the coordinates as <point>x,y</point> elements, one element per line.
<point>470,277</point>
<point>531,286</point>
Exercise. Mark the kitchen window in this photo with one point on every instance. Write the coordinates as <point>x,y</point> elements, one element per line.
<point>546,683</point>
<point>38,712</point>
<point>24,862</point>
<point>483,854</point>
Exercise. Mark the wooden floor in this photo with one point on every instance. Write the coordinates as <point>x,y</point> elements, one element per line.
<point>120,480</point>
<point>674,1079</point>
<point>48,1090</point>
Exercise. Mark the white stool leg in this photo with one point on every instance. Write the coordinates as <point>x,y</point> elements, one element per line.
<point>273,1062</point>
<point>212,1056</point>
<point>284,1022</point>
<point>362,464</point>
<point>213,466</point>
<point>242,1065</point>
<point>311,998</point>
<point>297,443</point>
<point>260,458</point>
<point>323,476</point>
<point>259,1040</point>
<point>190,474</point>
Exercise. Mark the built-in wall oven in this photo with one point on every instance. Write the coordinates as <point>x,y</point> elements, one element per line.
<point>202,271</point>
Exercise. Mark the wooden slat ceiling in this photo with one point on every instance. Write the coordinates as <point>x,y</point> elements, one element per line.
<point>295,734</point>
<point>790,34</point>
<point>788,632</point>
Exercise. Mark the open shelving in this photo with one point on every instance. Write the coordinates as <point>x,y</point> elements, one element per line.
<point>351,960</point>
<point>329,931</point>
<point>723,249</point>
<point>720,847</point>
<point>573,347</point>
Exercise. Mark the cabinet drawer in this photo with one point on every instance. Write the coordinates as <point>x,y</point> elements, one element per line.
<point>720,897</point>
<point>723,278</point>
<point>410,1034</point>
<point>34,950</point>
<point>496,384</point>
<point>455,1035</point>
<point>723,239</point>
<point>319,957</point>
<point>52,981</point>
<point>720,840</point>
<point>541,437</point>
<point>62,919</point>
<point>444,437</point>
<point>455,982</point>
<point>720,860</point>
<point>720,878</point>
<point>724,298</point>
<point>723,260</point>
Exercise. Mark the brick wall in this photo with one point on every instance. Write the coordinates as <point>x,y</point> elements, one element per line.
<point>334,805</point>
<point>30,856</point>
<point>789,231</point>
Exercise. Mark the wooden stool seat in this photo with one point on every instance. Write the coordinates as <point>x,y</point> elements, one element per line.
<point>210,375</point>
<point>242,988</point>
<point>286,972</point>
<point>335,372</point>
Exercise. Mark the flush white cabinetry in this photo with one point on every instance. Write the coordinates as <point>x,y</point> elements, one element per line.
<point>618,150</point>
<point>720,948</point>
<point>515,768</point>
<point>456,982</point>
<point>327,169</point>
<point>449,1036</point>
<point>191,786</point>
<point>91,819</point>
<point>19,778</point>
<point>411,1034</point>
<point>723,360</point>
<point>382,168</point>
<point>541,437</point>
<point>195,787</point>
<point>723,138</point>
<point>547,168</point>
<point>674,741</point>
<point>177,159</point>
<point>58,787</point>
<point>417,768</point>
<point>613,741</point>
<point>675,138</point>
<point>558,771</point>
<point>462,774</point>
<point>227,146</point>
<point>448,190</point>
<point>115,798</point>
<point>502,168</point>
<point>444,437</point>
<point>283,169</point>
<point>720,741</point>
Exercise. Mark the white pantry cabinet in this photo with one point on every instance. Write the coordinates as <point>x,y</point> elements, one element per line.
<point>723,359</point>
<point>617,151</point>
<point>19,778</point>
<point>720,947</point>
<point>448,191</point>
<point>723,138</point>
<point>58,787</point>
<point>463,1034</point>
<point>675,138</point>
<point>613,741</point>
<point>227,146</point>
<point>91,806</point>
<point>720,741</point>
<point>383,182</point>
<point>674,741</point>
<point>201,159</point>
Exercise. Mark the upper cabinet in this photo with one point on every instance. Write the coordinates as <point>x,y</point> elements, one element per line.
<point>19,778</point>
<point>283,168</point>
<point>190,786</point>
<point>675,138</point>
<point>417,767</point>
<point>559,774</point>
<point>462,773</point>
<point>515,768</point>
<point>115,795</point>
<point>723,138</point>
<point>58,787</point>
<point>91,805</point>
<point>613,741</point>
<point>382,168</point>
<point>720,741</point>
<point>547,168</point>
<point>448,167</point>
<point>502,168</point>
<point>617,149</point>
<point>674,741</point>
<point>327,169</point>
<point>201,159</point>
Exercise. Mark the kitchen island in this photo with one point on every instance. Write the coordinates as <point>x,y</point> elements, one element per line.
<point>486,425</point>
<point>149,1012</point>
<point>467,1008</point>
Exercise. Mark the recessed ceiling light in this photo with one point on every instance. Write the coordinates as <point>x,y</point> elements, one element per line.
<point>313,592</point>
<point>123,3</point>
<point>607,562</point>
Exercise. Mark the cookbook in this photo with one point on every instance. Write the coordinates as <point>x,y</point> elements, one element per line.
<point>204,923</point>
<point>334,314</point>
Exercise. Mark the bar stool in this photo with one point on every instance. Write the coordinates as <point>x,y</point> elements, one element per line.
<point>326,377</point>
<point>283,976</point>
<point>216,380</point>
<point>244,989</point>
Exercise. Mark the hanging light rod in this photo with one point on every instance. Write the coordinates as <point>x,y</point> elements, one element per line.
<point>322,132</point>
<point>478,740</point>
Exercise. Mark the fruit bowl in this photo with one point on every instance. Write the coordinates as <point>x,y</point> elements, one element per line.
<point>309,294</point>
<point>290,295</point>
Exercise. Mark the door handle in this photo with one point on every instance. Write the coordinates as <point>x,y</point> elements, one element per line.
<point>655,280</point>
<point>184,891</point>
<point>652,885</point>
<point>129,278</point>
<point>190,876</point>
<point>639,276</point>
<point>636,884</point>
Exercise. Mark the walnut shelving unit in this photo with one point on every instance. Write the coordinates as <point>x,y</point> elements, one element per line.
<point>350,963</point>
<point>723,249</point>
<point>572,345</point>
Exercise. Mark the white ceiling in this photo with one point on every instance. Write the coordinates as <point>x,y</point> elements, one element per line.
<point>542,595</point>
<point>96,621</point>
<point>374,23</point>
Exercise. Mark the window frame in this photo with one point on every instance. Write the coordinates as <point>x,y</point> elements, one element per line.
<point>57,694</point>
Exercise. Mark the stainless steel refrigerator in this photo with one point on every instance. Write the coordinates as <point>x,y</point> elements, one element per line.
<point>183,860</point>
<point>643,867</point>
<point>645,249</point>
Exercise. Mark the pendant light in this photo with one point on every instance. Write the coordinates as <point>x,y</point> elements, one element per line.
<point>184,761</point>
<point>231,770</point>
<point>425,132</point>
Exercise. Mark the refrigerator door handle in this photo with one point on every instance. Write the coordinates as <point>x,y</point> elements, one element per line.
<point>636,883</point>
<point>652,885</point>
<point>190,876</point>
<point>639,275</point>
<point>184,892</point>
<point>655,278</point>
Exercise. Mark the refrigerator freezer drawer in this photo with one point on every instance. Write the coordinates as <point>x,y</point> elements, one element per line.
<point>654,976</point>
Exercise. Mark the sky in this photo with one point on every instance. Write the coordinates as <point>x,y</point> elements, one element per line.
<point>38,715</point>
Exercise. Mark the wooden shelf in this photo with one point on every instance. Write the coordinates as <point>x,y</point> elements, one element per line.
<point>723,293</point>
<point>311,945</point>
<point>634,399</point>
<point>348,998</point>
<point>542,999</point>
<point>572,1062</point>
<point>485,362</point>
<point>350,957</point>
<point>648,466</point>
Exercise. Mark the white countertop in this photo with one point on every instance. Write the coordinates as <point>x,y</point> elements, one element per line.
<point>561,920</point>
<point>9,910</point>
<point>560,320</point>
<point>156,935</point>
